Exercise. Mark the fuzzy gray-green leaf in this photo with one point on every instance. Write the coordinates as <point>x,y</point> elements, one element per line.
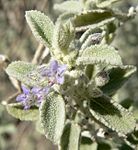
<point>69,6</point>
<point>52,116</point>
<point>27,73</point>
<point>17,111</point>
<point>112,115</point>
<point>91,17</point>
<point>97,54</point>
<point>89,32</point>
<point>19,70</point>
<point>65,17</point>
<point>70,137</point>
<point>63,35</point>
<point>118,76</point>
<point>41,26</point>
<point>92,39</point>
<point>104,3</point>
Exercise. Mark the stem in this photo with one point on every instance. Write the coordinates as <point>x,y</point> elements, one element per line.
<point>10,98</point>
<point>38,54</point>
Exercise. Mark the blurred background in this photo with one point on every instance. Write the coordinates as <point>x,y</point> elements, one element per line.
<point>18,43</point>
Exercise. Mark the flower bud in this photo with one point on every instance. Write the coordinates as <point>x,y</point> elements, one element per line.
<point>101,78</point>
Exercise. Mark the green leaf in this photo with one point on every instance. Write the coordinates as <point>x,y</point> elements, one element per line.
<point>87,144</point>
<point>104,146</point>
<point>99,17</point>
<point>112,115</point>
<point>91,17</point>
<point>127,103</point>
<point>118,76</point>
<point>89,70</point>
<point>52,116</point>
<point>133,138</point>
<point>17,111</point>
<point>99,54</point>
<point>27,73</point>
<point>41,26</point>
<point>89,32</point>
<point>63,35</point>
<point>110,29</point>
<point>65,17</point>
<point>104,3</point>
<point>92,39</point>
<point>69,6</point>
<point>70,137</point>
<point>127,147</point>
<point>19,70</point>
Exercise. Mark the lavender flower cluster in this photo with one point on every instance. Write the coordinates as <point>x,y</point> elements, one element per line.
<point>34,96</point>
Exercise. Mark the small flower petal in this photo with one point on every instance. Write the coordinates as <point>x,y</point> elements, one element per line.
<point>54,66</point>
<point>25,90</point>
<point>46,90</point>
<point>60,79</point>
<point>26,107</point>
<point>21,98</point>
<point>61,69</point>
<point>36,90</point>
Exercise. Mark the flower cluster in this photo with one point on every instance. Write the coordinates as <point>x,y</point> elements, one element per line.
<point>35,95</point>
<point>55,73</point>
<point>31,97</point>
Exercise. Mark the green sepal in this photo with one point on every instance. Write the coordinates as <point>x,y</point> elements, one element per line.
<point>71,137</point>
<point>41,26</point>
<point>17,111</point>
<point>112,115</point>
<point>52,116</point>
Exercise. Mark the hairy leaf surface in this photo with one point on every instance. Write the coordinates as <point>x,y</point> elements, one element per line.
<point>70,137</point>
<point>112,115</point>
<point>118,76</point>
<point>89,32</point>
<point>17,111</point>
<point>27,73</point>
<point>41,26</point>
<point>69,6</point>
<point>63,35</point>
<point>65,17</point>
<point>100,54</point>
<point>91,17</point>
<point>104,3</point>
<point>52,116</point>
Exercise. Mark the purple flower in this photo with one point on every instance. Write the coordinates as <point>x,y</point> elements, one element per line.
<point>35,95</point>
<point>32,97</point>
<point>55,73</point>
